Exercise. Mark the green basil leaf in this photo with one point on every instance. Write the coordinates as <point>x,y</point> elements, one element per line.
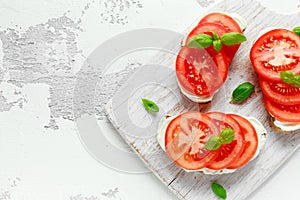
<point>233,38</point>
<point>242,92</point>
<point>226,136</point>
<point>219,190</point>
<point>200,41</point>
<point>150,105</point>
<point>297,77</point>
<point>287,76</point>
<point>296,30</point>
<point>213,143</point>
<point>216,37</point>
<point>217,45</point>
<point>296,81</point>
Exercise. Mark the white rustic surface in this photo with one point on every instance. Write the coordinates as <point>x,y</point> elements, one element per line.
<point>41,155</point>
<point>139,129</point>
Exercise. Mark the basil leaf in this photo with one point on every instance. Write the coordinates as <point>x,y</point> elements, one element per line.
<point>200,41</point>
<point>242,92</point>
<point>217,45</point>
<point>226,136</point>
<point>296,81</point>
<point>150,105</point>
<point>233,38</point>
<point>219,190</point>
<point>296,30</point>
<point>213,143</point>
<point>216,37</point>
<point>297,77</point>
<point>287,76</point>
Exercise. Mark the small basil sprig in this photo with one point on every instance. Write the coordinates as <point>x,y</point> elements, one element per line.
<point>289,78</point>
<point>206,40</point>
<point>215,142</point>
<point>150,105</point>
<point>296,30</point>
<point>219,190</point>
<point>242,92</point>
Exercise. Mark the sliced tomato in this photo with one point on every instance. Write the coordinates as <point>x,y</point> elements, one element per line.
<point>185,140</point>
<point>227,153</point>
<point>283,113</point>
<point>225,20</point>
<point>250,142</point>
<point>200,73</point>
<point>202,28</point>
<point>276,51</point>
<point>280,92</point>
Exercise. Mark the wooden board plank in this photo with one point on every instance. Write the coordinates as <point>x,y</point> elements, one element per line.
<point>158,83</point>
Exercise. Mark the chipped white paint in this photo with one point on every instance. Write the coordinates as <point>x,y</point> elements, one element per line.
<point>192,186</point>
<point>117,12</point>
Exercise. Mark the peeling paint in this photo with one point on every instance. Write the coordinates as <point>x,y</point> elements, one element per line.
<point>43,54</point>
<point>205,3</point>
<point>5,195</point>
<point>110,194</point>
<point>46,53</point>
<point>117,11</point>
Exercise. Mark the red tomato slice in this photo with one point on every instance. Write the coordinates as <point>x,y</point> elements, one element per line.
<point>185,140</point>
<point>280,92</point>
<point>275,51</point>
<point>283,113</point>
<point>227,153</point>
<point>250,142</point>
<point>220,30</point>
<point>200,73</point>
<point>225,20</point>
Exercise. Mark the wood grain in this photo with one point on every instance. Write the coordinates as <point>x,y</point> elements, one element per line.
<point>158,83</point>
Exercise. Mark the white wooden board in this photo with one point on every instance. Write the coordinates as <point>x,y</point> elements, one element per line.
<point>158,83</point>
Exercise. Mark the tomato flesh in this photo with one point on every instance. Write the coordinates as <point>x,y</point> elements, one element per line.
<point>250,142</point>
<point>227,153</point>
<point>198,72</point>
<point>222,19</point>
<point>276,51</point>
<point>283,113</point>
<point>280,92</point>
<point>185,140</point>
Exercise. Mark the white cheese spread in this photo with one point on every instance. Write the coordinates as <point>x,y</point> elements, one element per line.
<point>287,126</point>
<point>195,98</point>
